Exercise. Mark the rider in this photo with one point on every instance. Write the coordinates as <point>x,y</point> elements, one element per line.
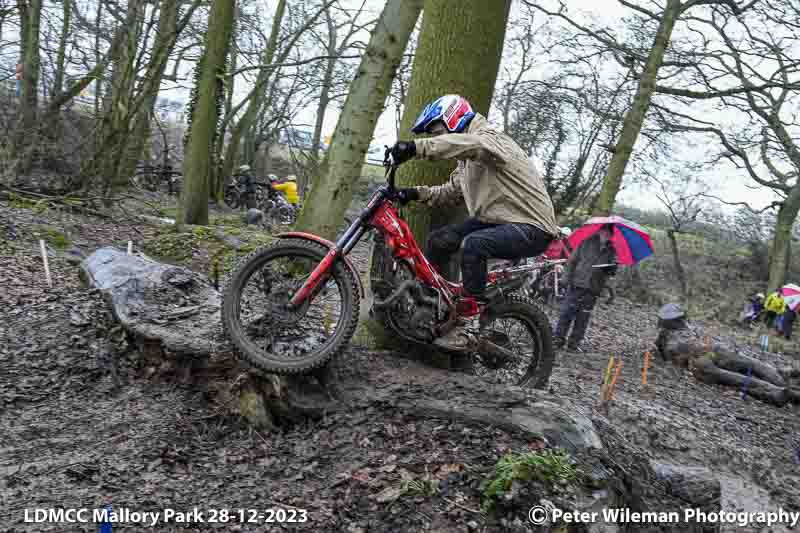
<point>510,212</point>
<point>289,189</point>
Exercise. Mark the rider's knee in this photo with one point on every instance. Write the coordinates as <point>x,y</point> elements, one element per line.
<point>474,246</point>
<point>443,240</point>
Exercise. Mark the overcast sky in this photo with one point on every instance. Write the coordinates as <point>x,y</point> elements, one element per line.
<point>724,180</point>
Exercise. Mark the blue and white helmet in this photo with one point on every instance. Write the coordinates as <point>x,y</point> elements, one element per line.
<point>453,110</point>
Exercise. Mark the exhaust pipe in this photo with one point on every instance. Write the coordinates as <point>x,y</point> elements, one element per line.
<point>408,285</point>
<point>392,298</point>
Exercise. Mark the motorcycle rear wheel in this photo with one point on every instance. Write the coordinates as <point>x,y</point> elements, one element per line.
<point>271,336</point>
<point>232,197</point>
<point>533,363</point>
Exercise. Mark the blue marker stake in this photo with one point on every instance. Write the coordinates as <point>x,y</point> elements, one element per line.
<point>797,453</point>
<point>105,525</point>
<point>747,382</point>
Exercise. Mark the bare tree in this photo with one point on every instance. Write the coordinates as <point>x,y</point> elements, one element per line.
<point>333,190</point>
<point>647,63</point>
<point>753,70</point>
<point>684,202</point>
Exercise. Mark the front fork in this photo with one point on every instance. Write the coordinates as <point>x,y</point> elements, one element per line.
<point>320,275</point>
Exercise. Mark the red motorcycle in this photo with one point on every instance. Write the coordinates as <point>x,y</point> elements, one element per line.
<point>292,306</point>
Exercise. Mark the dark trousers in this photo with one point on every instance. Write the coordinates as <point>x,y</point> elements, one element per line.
<point>788,323</point>
<point>576,312</point>
<point>482,241</point>
<point>769,318</point>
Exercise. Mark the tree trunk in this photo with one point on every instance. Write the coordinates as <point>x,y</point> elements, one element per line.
<point>25,141</point>
<point>676,260</point>
<point>205,114</point>
<point>98,80</point>
<point>634,118</point>
<point>256,100</point>
<point>114,131</point>
<point>166,36</point>
<point>779,249</point>
<point>332,190</point>
<point>54,127</point>
<point>459,51</point>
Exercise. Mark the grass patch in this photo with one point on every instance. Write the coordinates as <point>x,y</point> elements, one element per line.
<point>51,236</point>
<point>169,212</point>
<point>550,467</point>
<point>234,220</point>
<point>426,486</point>
<point>172,245</point>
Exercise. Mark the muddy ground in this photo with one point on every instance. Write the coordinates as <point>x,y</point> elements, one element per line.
<point>80,420</point>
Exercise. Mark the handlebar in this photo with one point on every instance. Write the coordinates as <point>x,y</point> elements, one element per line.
<point>391,167</point>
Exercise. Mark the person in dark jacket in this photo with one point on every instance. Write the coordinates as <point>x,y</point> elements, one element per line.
<point>585,281</point>
<point>788,323</point>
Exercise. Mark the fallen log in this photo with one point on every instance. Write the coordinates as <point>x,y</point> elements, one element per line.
<point>728,359</point>
<point>706,370</point>
<point>154,301</point>
<point>173,314</point>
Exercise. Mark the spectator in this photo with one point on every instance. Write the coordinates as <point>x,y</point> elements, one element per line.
<point>753,309</point>
<point>787,323</point>
<point>289,189</point>
<point>585,281</point>
<point>775,306</point>
<point>559,248</point>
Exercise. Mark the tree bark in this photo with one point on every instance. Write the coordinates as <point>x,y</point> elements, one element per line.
<point>54,127</point>
<point>197,164</point>
<point>332,191</point>
<point>31,16</point>
<point>704,369</point>
<point>459,52</point>
<point>634,118</point>
<point>779,249</point>
<point>114,130</point>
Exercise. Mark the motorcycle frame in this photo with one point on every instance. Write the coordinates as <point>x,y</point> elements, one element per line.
<point>380,214</point>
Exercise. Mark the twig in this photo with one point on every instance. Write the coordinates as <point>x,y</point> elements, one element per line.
<point>462,506</point>
<point>279,504</point>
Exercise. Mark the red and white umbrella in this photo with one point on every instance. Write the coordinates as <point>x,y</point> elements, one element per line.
<point>791,295</point>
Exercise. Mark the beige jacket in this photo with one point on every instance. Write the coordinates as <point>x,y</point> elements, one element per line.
<point>494,178</point>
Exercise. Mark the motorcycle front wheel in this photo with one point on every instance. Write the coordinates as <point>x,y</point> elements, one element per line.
<point>265,331</point>
<point>519,327</point>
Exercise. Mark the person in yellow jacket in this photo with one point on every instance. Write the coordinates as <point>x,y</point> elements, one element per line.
<point>289,189</point>
<point>774,306</point>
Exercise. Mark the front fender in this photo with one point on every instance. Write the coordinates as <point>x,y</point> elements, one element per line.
<point>328,244</point>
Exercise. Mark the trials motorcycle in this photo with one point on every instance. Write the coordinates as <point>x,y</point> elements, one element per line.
<point>292,306</point>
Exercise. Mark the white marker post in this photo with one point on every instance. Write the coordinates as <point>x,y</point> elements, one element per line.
<point>130,247</point>
<point>46,264</point>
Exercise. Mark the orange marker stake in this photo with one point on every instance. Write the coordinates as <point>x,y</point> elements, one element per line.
<point>610,391</point>
<point>646,367</point>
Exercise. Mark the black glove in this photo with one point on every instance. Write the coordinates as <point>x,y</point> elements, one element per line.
<point>402,151</point>
<point>407,195</point>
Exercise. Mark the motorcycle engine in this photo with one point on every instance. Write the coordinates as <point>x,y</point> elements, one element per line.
<point>409,315</point>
